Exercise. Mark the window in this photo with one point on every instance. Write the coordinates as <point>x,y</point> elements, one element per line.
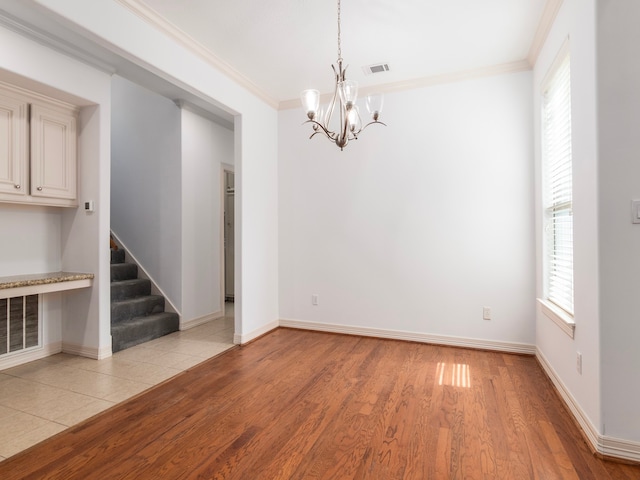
<point>557,182</point>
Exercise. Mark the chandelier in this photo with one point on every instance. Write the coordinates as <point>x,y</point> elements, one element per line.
<point>344,101</point>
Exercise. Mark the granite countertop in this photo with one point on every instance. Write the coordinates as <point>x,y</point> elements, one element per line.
<point>42,279</point>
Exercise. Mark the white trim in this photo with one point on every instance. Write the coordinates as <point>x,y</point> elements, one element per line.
<point>505,68</point>
<point>565,50</point>
<point>224,167</point>
<point>610,446</point>
<point>150,16</point>
<point>511,347</point>
<point>242,338</point>
<point>558,316</point>
<point>618,448</point>
<point>549,15</point>
<point>187,324</point>
<point>588,428</point>
<point>142,273</point>
<point>89,352</point>
<point>24,356</point>
<point>202,112</point>
<point>38,35</point>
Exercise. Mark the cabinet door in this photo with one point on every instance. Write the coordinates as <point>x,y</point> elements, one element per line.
<point>14,146</point>
<point>53,153</point>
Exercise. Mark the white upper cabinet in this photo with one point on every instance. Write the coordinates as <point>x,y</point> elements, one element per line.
<point>38,161</point>
<point>14,146</point>
<point>53,153</point>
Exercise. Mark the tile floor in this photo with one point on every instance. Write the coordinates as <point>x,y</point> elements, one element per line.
<point>41,398</point>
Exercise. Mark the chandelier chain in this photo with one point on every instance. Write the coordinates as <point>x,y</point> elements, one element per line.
<point>339,47</point>
<point>343,104</point>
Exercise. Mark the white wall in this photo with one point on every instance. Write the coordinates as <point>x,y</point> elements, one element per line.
<point>30,240</point>
<point>418,225</point>
<point>577,20</point>
<point>50,239</point>
<point>121,31</point>
<point>146,193</point>
<point>619,182</point>
<point>205,146</point>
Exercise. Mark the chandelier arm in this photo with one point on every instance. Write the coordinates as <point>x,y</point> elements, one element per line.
<point>330,135</point>
<point>330,111</point>
<point>371,123</point>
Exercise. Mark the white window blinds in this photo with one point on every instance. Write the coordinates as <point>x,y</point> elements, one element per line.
<point>556,149</point>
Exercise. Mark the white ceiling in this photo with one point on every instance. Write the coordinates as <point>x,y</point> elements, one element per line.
<point>285,46</point>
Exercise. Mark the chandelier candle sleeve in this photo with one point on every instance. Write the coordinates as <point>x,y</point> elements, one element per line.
<point>348,93</point>
<point>374,105</point>
<point>344,100</point>
<point>311,102</point>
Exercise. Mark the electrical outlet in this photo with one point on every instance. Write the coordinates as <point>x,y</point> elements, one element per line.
<point>486,313</point>
<point>315,299</point>
<point>579,363</point>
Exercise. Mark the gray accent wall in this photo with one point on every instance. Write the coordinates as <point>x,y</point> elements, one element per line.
<point>146,201</point>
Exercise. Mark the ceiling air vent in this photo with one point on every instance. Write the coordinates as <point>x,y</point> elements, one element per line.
<point>377,68</point>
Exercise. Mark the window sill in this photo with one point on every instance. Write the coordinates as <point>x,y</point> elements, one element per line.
<point>558,316</point>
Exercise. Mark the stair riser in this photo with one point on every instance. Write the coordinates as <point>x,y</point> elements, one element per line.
<point>142,330</point>
<point>117,256</point>
<point>130,289</point>
<point>123,271</point>
<point>136,307</point>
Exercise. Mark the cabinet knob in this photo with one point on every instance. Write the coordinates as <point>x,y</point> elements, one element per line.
<point>17,187</point>
<point>39,189</point>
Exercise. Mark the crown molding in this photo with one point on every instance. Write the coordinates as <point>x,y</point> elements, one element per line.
<point>57,44</point>
<point>501,69</point>
<point>549,14</point>
<point>153,18</point>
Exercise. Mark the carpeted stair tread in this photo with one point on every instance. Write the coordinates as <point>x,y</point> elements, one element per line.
<point>124,310</point>
<point>142,329</point>
<point>135,287</point>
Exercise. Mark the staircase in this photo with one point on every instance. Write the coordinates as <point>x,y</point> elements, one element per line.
<point>136,315</point>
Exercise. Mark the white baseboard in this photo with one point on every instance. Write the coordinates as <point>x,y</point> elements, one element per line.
<point>18,358</point>
<point>89,352</point>
<point>511,347</point>
<point>241,339</point>
<point>602,444</point>
<point>187,324</point>
<point>619,448</point>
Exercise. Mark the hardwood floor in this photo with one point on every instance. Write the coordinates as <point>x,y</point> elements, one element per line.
<point>297,404</point>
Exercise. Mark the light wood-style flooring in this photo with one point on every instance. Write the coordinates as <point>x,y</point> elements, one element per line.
<point>302,405</point>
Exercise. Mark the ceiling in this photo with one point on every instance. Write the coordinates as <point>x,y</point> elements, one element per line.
<point>281,47</point>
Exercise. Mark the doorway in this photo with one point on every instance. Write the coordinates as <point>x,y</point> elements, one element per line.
<point>229,236</point>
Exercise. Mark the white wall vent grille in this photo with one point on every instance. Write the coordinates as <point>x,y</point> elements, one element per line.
<point>19,324</point>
